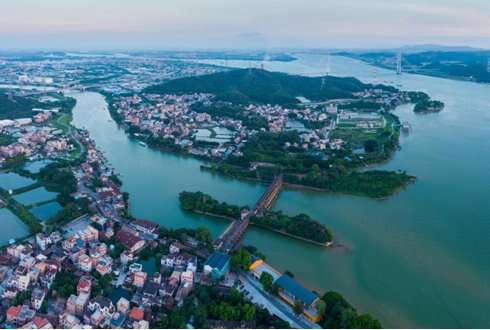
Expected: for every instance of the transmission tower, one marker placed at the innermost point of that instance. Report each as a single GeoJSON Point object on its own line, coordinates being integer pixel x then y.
{"type": "Point", "coordinates": [399, 63]}
{"type": "Point", "coordinates": [327, 71]}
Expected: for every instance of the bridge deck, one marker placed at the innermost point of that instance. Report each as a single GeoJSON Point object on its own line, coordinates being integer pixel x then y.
{"type": "Point", "coordinates": [234, 232]}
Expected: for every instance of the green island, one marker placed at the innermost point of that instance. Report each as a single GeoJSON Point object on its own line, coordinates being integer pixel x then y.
{"type": "Point", "coordinates": [428, 106]}
{"type": "Point", "coordinates": [300, 226]}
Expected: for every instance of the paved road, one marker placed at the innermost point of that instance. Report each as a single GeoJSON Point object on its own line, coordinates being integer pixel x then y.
{"type": "Point", "coordinates": [273, 304]}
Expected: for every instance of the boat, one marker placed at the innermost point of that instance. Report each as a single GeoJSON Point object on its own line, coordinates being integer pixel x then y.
{"type": "Point", "coordinates": [143, 144]}
{"type": "Point", "coordinates": [406, 127]}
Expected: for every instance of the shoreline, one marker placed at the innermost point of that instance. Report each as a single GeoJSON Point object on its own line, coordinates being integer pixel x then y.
{"type": "Point", "coordinates": [300, 187]}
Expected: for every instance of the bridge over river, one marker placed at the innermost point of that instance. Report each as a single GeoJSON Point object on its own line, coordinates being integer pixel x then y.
{"type": "Point", "coordinates": [231, 236]}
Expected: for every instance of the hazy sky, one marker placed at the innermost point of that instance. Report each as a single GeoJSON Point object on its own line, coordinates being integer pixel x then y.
{"type": "Point", "coordinates": [161, 24]}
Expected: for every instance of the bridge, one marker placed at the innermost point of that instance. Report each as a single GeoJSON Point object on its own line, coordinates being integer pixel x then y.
{"type": "Point", "coordinates": [229, 239]}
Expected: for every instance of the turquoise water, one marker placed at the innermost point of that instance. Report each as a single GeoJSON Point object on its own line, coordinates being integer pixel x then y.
{"type": "Point", "coordinates": [46, 211]}
{"type": "Point", "coordinates": [418, 259]}
{"type": "Point", "coordinates": [12, 227]}
{"type": "Point", "coordinates": [35, 196]}
{"type": "Point", "coordinates": [149, 266]}
{"type": "Point", "coordinates": [13, 181]}
{"type": "Point", "coordinates": [36, 166]}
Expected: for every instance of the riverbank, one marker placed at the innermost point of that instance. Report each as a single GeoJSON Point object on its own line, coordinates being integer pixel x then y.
{"type": "Point", "coordinates": [374, 184]}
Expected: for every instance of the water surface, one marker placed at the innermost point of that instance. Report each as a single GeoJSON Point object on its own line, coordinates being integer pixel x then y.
{"type": "Point", "coordinates": [46, 211]}
{"type": "Point", "coordinates": [418, 259]}
{"type": "Point", "coordinates": [12, 226]}
{"type": "Point", "coordinates": [13, 181]}
{"type": "Point", "coordinates": [35, 196]}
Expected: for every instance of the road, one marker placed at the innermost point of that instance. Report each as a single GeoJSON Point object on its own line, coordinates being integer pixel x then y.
{"type": "Point", "coordinates": [273, 304]}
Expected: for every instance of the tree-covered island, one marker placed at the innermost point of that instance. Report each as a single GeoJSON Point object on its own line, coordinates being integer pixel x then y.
{"type": "Point", "coordinates": [300, 226]}
{"type": "Point", "coordinates": [319, 132]}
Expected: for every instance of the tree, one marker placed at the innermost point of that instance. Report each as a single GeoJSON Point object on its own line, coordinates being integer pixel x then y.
{"type": "Point", "coordinates": [21, 297]}
{"type": "Point", "coordinates": [371, 145]}
{"type": "Point", "coordinates": [241, 259]}
{"type": "Point", "coordinates": [366, 321]}
{"type": "Point", "coordinates": [321, 306]}
{"type": "Point", "coordinates": [266, 280]}
{"type": "Point", "coordinates": [65, 284]}
{"type": "Point", "coordinates": [102, 285]}
{"type": "Point", "coordinates": [338, 313]}
{"type": "Point", "coordinates": [204, 235]}
{"type": "Point", "coordinates": [248, 312]}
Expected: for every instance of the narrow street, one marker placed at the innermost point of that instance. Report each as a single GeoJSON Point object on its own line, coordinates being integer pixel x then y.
{"type": "Point", "coordinates": [273, 304]}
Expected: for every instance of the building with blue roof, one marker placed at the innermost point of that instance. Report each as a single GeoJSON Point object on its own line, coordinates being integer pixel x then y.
{"type": "Point", "coordinates": [291, 291]}
{"type": "Point", "coordinates": [217, 265]}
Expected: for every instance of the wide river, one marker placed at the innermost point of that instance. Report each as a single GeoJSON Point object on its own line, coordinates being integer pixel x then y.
{"type": "Point", "coordinates": [418, 259]}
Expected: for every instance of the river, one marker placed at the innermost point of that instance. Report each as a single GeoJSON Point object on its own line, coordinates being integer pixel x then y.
{"type": "Point", "coordinates": [418, 259]}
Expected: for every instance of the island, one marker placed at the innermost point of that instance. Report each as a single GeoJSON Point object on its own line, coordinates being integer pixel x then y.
{"type": "Point", "coordinates": [300, 226]}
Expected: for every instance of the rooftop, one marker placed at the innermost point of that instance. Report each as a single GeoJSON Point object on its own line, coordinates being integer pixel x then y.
{"type": "Point", "coordinates": [297, 290]}
{"type": "Point", "coordinates": [218, 260]}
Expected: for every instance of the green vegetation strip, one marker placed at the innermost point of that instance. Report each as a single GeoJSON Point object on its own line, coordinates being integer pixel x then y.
{"type": "Point", "coordinates": [27, 188]}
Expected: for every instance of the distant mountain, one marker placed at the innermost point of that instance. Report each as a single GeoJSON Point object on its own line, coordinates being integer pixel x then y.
{"type": "Point", "coordinates": [436, 48]}
{"type": "Point", "coordinates": [408, 49]}
{"type": "Point", "coordinates": [260, 86]}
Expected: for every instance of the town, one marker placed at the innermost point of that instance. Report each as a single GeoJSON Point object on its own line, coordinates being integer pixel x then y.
{"type": "Point", "coordinates": [116, 285]}
{"type": "Point", "coordinates": [182, 122]}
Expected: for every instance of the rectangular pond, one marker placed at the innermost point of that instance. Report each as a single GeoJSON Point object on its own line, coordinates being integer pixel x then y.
{"type": "Point", "coordinates": [13, 181]}
{"type": "Point", "coordinates": [12, 226]}
{"type": "Point", "coordinates": [35, 196]}
{"type": "Point", "coordinates": [36, 166]}
{"type": "Point", "coordinates": [46, 211]}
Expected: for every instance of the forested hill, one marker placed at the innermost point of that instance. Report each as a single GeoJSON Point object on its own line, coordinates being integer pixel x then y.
{"type": "Point", "coordinates": [12, 106]}
{"type": "Point", "coordinates": [261, 86]}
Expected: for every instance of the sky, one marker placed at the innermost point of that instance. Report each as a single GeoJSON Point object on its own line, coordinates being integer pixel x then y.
{"type": "Point", "coordinates": [215, 24]}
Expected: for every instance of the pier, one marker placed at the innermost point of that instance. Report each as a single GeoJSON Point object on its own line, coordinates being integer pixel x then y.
{"type": "Point", "coordinates": [232, 235]}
